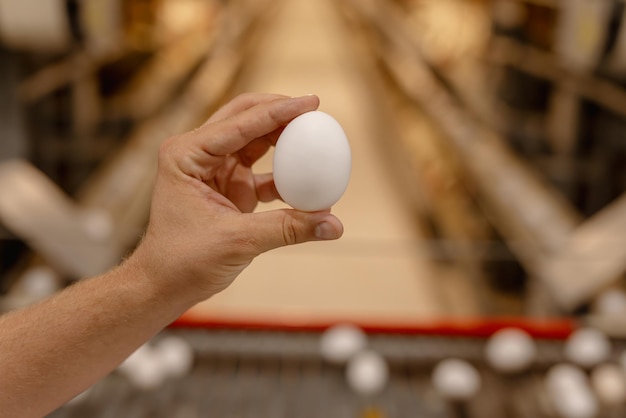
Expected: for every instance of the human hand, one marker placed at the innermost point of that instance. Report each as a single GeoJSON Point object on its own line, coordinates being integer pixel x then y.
{"type": "Point", "coordinates": [202, 231]}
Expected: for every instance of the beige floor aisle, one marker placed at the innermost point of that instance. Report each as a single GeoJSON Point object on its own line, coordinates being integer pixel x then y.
{"type": "Point", "coordinates": [373, 272]}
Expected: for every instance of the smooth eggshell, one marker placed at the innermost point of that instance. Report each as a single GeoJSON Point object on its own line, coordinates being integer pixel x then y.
{"type": "Point", "coordinates": [175, 355]}
{"type": "Point", "coordinates": [312, 162]}
{"type": "Point", "coordinates": [569, 392]}
{"type": "Point", "coordinates": [342, 341]}
{"type": "Point", "coordinates": [587, 347]}
{"type": "Point", "coordinates": [510, 350]}
{"type": "Point", "coordinates": [609, 383]}
{"type": "Point", "coordinates": [367, 373]}
{"type": "Point", "coordinates": [456, 379]}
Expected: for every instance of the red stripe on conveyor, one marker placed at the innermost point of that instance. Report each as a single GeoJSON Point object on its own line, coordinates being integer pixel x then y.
{"type": "Point", "coordinates": [555, 328]}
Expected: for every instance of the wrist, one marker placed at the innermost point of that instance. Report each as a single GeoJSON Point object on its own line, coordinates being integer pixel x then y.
{"type": "Point", "coordinates": [157, 283]}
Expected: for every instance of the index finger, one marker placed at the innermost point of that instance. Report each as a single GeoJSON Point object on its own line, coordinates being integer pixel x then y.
{"type": "Point", "coordinates": [232, 134]}
{"type": "Point", "coordinates": [241, 103]}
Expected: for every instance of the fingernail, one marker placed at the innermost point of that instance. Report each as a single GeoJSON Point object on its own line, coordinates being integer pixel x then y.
{"type": "Point", "coordinates": [325, 230]}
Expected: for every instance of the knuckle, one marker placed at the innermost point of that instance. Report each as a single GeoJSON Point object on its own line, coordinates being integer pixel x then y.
{"type": "Point", "coordinates": [245, 97]}
{"type": "Point", "coordinates": [171, 156]}
{"type": "Point", "coordinates": [166, 149]}
{"type": "Point", "coordinates": [276, 114]}
{"type": "Point", "coordinates": [290, 231]}
{"type": "Point", "coordinates": [241, 130]}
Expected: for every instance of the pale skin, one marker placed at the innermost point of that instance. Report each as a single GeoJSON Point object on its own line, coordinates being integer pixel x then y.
{"type": "Point", "coordinates": [202, 233]}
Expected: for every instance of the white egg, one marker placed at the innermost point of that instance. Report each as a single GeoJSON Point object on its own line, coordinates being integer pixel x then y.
{"type": "Point", "coordinates": [564, 377]}
{"type": "Point", "coordinates": [367, 373]}
{"type": "Point", "coordinates": [138, 356]}
{"type": "Point", "coordinates": [175, 355]}
{"type": "Point", "coordinates": [147, 375]}
{"type": "Point", "coordinates": [610, 302]}
{"type": "Point", "coordinates": [577, 404]}
{"type": "Point", "coordinates": [456, 379]}
{"type": "Point", "coordinates": [143, 368]}
{"type": "Point", "coordinates": [340, 342]}
{"type": "Point", "coordinates": [312, 162]}
{"type": "Point", "coordinates": [609, 383]}
{"type": "Point", "coordinates": [587, 347]}
{"type": "Point", "coordinates": [510, 350]}
{"type": "Point", "coordinates": [39, 282]}
{"type": "Point", "coordinates": [569, 392]}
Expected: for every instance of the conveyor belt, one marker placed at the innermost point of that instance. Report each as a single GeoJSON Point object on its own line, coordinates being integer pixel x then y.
{"type": "Point", "coordinates": [281, 374]}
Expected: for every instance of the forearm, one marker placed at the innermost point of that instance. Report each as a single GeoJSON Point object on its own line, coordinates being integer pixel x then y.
{"type": "Point", "coordinates": [199, 238]}
{"type": "Point", "coordinates": [52, 351]}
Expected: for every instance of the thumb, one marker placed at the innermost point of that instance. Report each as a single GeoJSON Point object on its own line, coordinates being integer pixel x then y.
{"type": "Point", "coordinates": [278, 228]}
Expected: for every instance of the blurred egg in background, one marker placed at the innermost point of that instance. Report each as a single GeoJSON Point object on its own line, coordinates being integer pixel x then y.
{"type": "Point", "coordinates": [481, 271]}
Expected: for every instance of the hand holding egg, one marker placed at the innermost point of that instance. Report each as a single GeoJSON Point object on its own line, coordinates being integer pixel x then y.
{"type": "Point", "coordinates": [203, 231]}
